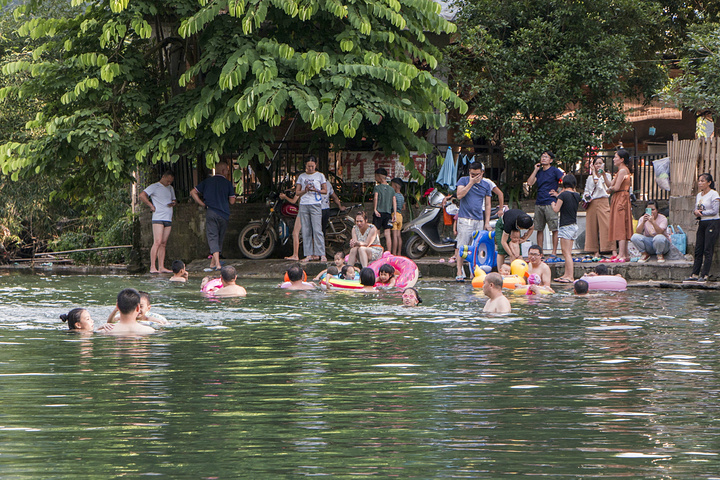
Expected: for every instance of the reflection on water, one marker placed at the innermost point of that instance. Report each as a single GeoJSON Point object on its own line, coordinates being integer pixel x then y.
{"type": "Point", "coordinates": [308, 383]}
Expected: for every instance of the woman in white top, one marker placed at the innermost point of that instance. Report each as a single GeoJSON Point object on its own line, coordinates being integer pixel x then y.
{"type": "Point", "coordinates": [707, 211]}
{"type": "Point", "coordinates": [309, 188]}
{"type": "Point", "coordinates": [597, 214]}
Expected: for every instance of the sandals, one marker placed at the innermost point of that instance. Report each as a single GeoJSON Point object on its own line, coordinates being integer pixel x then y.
{"type": "Point", "coordinates": [554, 259]}
{"type": "Point", "coordinates": [460, 279]}
{"type": "Point", "coordinates": [562, 280]}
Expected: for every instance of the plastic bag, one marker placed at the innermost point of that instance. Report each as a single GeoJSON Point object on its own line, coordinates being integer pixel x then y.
{"type": "Point", "coordinates": [662, 173]}
{"type": "Point", "coordinates": [678, 238]}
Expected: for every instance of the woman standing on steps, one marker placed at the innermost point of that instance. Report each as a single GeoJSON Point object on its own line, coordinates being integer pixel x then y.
{"type": "Point", "coordinates": [620, 228]}
{"type": "Point", "coordinates": [707, 212]}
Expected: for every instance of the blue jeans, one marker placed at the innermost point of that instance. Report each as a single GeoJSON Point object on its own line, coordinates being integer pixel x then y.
{"type": "Point", "coordinates": [659, 244]}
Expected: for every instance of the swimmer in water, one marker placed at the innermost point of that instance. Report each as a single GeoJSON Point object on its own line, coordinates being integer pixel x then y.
{"type": "Point", "coordinates": [367, 279]}
{"type": "Point", "coordinates": [411, 297]}
{"type": "Point", "coordinates": [179, 272]}
{"type": "Point", "coordinates": [386, 275]}
{"type": "Point", "coordinates": [78, 320]}
{"type": "Point", "coordinates": [128, 303]}
{"type": "Point", "coordinates": [229, 288]}
{"type": "Point", "coordinates": [338, 263]}
{"type": "Point", "coordinates": [497, 302]}
{"type": "Point", "coordinates": [295, 275]}
{"type": "Point", "coordinates": [144, 316]}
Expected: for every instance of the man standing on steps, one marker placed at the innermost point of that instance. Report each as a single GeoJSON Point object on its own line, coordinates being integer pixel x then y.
{"type": "Point", "coordinates": [218, 194]}
{"type": "Point", "coordinates": [547, 177]}
{"type": "Point", "coordinates": [474, 213]}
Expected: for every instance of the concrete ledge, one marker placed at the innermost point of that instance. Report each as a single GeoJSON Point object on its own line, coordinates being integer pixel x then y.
{"type": "Point", "coordinates": [432, 267]}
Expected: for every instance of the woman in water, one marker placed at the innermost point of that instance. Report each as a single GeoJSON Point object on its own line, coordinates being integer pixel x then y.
{"type": "Point", "coordinates": [620, 229]}
{"type": "Point", "coordinates": [365, 243]}
{"type": "Point", "coordinates": [707, 212]}
{"type": "Point", "coordinates": [78, 320]}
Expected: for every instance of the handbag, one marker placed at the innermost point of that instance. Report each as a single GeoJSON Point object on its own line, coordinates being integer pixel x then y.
{"type": "Point", "coordinates": [585, 201]}
{"type": "Point", "coordinates": [678, 238]}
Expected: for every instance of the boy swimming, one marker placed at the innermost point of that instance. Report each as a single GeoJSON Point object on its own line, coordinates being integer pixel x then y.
{"type": "Point", "coordinates": [179, 272]}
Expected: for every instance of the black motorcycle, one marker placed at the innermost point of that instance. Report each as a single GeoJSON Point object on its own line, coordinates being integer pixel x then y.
{"type": "Point", "coordinates": [260, 238]}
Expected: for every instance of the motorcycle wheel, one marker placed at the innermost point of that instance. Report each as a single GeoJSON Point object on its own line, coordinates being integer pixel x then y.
{"type": "Point", "coordinates": [415, 247]}
{"type": "Point", "coordinates": [254, 245]}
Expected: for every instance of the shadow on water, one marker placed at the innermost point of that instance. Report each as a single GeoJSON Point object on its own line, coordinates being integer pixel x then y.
{"type": "Point", "coordinates": [311, 383]}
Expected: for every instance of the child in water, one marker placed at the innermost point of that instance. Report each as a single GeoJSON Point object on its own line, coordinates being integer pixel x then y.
{"type": "Point", "coordinates": [338, 263]}
{"type": "Point", "coordinates": [78, 320]}
{"type": "Point", "coordinates": [386, 276]}
{"type": "Point", "coordinates": [179, 272]}
{"type": "Point", "coordinates": [492, 287]}
{"type": "Point", "coordinates": [411, 297]}
{"type": "Point", "coordinates": [367, 279]}
{"type": "Point", "coordinates": [348, 272]}
{"type": "Point", "coordinates": [144, 314]}
{"type": "Point", "coordinates": [505, 269]}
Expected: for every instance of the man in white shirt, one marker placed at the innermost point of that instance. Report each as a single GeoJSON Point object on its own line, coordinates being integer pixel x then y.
{"type": "Point", "coordinates": [160, 197]}
{"type": "Point", "coordinates": [651, 234]}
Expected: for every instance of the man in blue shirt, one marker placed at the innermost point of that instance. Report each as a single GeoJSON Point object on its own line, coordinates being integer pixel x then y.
{"type": "Point", "coordinates": [218, 194]}
{"type": "Point", "coordinates": [547, 177]}
{"type": "Point", "coordinates": [474, 213]}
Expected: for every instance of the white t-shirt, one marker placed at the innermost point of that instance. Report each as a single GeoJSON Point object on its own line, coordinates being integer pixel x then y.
{"type": "Point", "coordinates": [325, 203]}
{"type": "Point", "coordinates": [707, 204]}
{"type": "Point", "coordinates": [160, 196]}
{"type": "Point", "coordinates": [316, 180]}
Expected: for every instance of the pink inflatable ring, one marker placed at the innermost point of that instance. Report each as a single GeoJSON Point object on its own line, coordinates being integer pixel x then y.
{"type": "Point", "coordinates": [605, 282]}
{"type": "Point", "coordinates": [406, 272]}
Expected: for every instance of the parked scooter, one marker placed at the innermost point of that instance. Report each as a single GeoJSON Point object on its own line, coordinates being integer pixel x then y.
{"type": "Point", "coordinates": [260, 238]}
{"type": "Point", "coordinates": [425, 230]}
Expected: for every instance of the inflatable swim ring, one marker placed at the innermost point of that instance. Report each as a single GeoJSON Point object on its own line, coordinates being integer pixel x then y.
{"type": "Point", "coordinates": [406, 272]}
{"type": "Point", "coordinates": [332, 283]}
{"type": "Point", "coordinates": [481, 251]}
{"type": "Point", "coordinates": [509, 281]}
{"type": "Point", "coordinates": [212, 285]}
{"type": "Point", "coordinates": [606, 282]}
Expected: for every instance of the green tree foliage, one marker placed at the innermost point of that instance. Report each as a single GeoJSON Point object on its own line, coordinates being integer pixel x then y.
{"type": "Point", "coordinates": [548, 74]}
{"type": "Point", "coordinates": [151, 80]}
{"type": "Point", "coordinates": [698, 88]}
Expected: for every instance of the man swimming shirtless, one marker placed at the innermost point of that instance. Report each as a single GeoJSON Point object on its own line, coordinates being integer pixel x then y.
{"type": "Point", "coordinates": [536, 265]}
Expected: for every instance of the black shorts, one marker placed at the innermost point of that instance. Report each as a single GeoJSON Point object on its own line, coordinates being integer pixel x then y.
{"type": "Point", "coordinates": [383, 221]}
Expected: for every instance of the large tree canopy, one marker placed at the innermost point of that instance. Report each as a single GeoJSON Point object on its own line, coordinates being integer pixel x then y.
{"type": "Point", "coordinates": [553, 75]}
{"type": "Point", "coordinates": [698, 87]}
{"type": "Point", "coordinates": [151, 80]}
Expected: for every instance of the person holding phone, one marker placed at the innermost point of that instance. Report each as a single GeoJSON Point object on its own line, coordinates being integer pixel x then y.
{"type": "Point", "coordinates": [597, 211]}
{"type": "Point", "coordinates": [547, 177]}
{"type": "Point", "coordinates": [651, 236]}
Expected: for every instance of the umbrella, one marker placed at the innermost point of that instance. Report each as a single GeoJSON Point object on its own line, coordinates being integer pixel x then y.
{"type": "Point", "coordinates": [448, 171]}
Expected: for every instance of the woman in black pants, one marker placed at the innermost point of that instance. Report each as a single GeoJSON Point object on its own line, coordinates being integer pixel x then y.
{"type": "Point", "coordinates": [707, 211]}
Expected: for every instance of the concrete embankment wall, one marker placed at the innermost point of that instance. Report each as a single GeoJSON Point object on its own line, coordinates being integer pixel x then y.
{"type": "Point", "coordinates": [187, 239]}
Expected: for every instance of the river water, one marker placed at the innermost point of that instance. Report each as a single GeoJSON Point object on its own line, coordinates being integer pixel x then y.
{"type": "Point", "coordinates": [291, 384]}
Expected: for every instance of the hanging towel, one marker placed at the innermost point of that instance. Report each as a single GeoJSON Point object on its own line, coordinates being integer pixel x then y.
{"type": "Point", "coordinates": [448, 171]}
